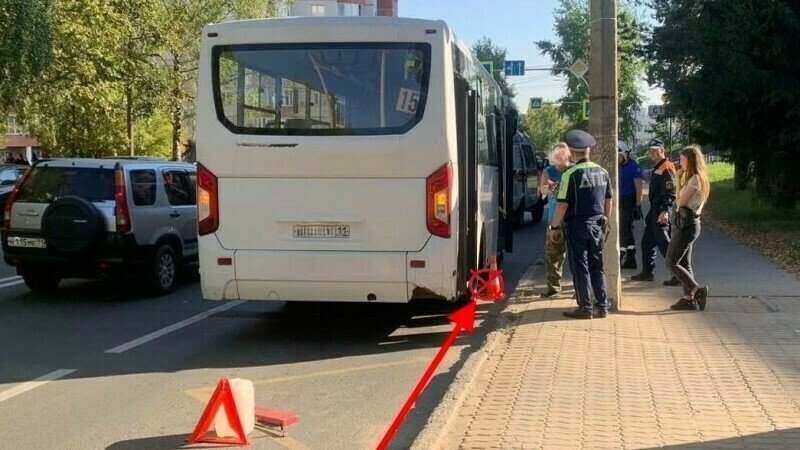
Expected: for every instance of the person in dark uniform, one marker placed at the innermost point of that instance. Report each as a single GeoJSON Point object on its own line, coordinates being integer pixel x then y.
{"type": "Point", "coordinates": [656, 223]}
{"type": "Point", "coordinates": [584, 204]}
{"type": "Point", "coordinates": [630, 207]}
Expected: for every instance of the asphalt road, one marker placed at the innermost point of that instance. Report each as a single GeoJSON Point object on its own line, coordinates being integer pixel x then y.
{"type": "Point", "coordinates": [97, 365]}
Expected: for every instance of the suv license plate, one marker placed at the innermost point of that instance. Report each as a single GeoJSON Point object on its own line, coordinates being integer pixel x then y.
{"type": "Point", "coordinates": [15, 241]}
{"type": "Point", "coordinates": [321, 231]}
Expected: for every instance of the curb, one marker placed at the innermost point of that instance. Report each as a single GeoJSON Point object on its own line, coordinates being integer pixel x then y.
{"type": "Point", "coordinates": [441, 420]}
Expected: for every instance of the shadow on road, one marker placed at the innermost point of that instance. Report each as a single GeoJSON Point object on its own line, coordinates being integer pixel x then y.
{"type": "Point", "coordinates": [75, 325]}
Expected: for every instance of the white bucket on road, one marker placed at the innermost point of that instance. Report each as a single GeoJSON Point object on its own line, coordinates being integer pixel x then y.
{"type": "Point", "coordinates": [244, 397]}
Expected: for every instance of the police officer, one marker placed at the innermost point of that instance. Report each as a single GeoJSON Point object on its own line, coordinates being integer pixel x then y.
{"type": "Point", "coordinates": [630, 206]}
{"type": "Point", "coordinates": [656, 223]}
{"type": "Point", "coordinates": [584, 204]}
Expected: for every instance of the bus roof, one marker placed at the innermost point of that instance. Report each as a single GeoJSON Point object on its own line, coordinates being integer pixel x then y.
{"type": "Point", "coordinates": [313, 22]}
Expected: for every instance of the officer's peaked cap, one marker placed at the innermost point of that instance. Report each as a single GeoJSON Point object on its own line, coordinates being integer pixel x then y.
{"type": "Point", "coordinates": [655, 143]}
{"type": "Point", "coordinates": [579, 140]}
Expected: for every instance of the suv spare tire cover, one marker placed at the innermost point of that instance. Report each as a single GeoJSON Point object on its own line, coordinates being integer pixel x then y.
{"type": "Point", "coordinates": [71, 225]}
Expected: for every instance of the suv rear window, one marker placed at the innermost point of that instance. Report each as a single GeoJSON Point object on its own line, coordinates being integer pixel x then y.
{"type": "Point", "coordinates": [48, 184]}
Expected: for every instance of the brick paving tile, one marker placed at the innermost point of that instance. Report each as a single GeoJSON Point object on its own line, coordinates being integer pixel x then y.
{"type": "Point", "coordinates": [725, 378]}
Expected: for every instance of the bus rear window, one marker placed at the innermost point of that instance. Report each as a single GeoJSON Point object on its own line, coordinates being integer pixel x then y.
{"type": "Point", "coordinates": [321, 89]}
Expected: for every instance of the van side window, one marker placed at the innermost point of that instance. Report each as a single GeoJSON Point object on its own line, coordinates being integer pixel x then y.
{"type": "Point", "coordinates": [143, 187]}
{"type": "Point", "coordinates": [179, 187]}
{"type": "Point", "coordinates": [530, 161]}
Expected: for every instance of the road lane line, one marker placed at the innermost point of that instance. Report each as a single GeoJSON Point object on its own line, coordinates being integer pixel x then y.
{"type": "Point", "coordinates": [176, 326]}
{"type": "Point", "coordinates": [27, 386]}
{"type": "Point", "coordinates": [204, 393]}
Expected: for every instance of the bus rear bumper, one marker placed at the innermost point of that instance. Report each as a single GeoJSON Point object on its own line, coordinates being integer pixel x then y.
{"type": "Point", "coordinates": [381, 277]}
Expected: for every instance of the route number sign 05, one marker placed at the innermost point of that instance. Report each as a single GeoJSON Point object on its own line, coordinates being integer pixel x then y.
{"type": "Point", "coordinates": [407, 101]}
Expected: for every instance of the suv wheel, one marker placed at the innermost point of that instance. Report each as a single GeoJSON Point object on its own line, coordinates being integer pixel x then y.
{"type": "Point", "coordinates": [41, 281]}
{"type": "Point", "coordinates": [164, 271]}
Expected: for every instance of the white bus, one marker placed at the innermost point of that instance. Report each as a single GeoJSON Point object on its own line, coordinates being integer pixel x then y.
{"type": "Point", "coordinates": [346, 159]}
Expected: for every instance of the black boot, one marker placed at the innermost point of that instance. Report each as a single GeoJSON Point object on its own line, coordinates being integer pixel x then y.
{"type": "Point", "coordinates": [630, 260]}
{"type": "Point", "coordinates": [643, 276]}
{"type": "Point", "coordinates": [674, 281]}
{"type": "Point", "coordinates": [579, 313]}
{"type": "Point", "coordinates": [684, 304]}
{"type": "Point", "coordinates": [701, 297]}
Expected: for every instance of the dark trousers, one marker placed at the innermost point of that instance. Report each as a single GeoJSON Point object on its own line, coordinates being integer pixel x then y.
{"type": "Point", "coordinates": [585, 250]}
{"type": "Point", "coordinates": [679, 255]}
{"type": "Point", "coordinates": [627, 207]}
{"type": "Point", "coordinates": [655, 236]}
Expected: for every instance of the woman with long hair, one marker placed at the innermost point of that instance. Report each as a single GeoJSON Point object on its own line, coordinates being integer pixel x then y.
{"type": "Point", "coordinates": [693, 190]}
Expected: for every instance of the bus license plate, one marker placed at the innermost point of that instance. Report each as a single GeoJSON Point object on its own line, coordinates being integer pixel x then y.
{"type": "Point", "coordinates": [321, 231]}
{"type": "Point", "coordinates": [14, 241]}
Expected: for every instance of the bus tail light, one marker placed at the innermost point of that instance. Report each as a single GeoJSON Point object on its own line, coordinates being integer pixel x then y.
{"type": "Point", "coordinates": [438, 188]}
{"type": "Point", "coordinates": [207, 201]}
{"type": "Point", "coordinates": [123, 218]}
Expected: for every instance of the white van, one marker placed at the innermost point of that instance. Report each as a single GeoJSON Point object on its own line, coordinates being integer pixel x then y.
{"type": "Point", "coordinates": [346, 159]}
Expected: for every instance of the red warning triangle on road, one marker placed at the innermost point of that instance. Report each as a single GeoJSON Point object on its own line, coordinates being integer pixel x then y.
{"type": "Point", "coordinates": [222, 398]}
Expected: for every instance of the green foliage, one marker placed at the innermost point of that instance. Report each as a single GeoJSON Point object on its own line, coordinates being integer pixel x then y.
{"type": "Point", "coordinates": [142, 81]}
{"type": "Point", "coordinates": [746, 209]}
{"type": "Point", "coordinates": [25, 45]}
{"type": "Point", "coordinates": [71, 107]}
{"type": "Point", "coordinates": [545, 126]}
{"type": "Point", "coordinates": [487, 51]}
{"type": "Point", "coordinates": [182, 22]}
{"type": "Point", "coordinates": [154, 135]}
{"type": "Point", "coordinates": [120, 70]}
{"type": "Point", "coordinates": [731, 72]}
{"type": "Point", "coordinates": [573, 29]}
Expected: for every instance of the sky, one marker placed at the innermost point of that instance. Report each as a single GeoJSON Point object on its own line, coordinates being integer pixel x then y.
{"type": "Point", "coordinates": [514, 24]}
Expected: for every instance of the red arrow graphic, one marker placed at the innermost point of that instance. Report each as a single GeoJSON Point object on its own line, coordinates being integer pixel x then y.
{"type": "Point", "coordinates": [464, 318]}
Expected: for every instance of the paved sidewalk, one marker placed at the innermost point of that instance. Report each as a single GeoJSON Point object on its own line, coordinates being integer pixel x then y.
{"type": "Point", "coordinates": [647, 377]}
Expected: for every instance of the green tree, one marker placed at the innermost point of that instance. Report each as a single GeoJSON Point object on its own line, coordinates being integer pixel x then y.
{"type": "Point", "coordinates": [141, 80]}
{"type": "Point", "coordinates": [730, 68]}
{"type": "Point", "coordinates": [25, 45]}
{"type": "Point", "coordinates": [71, 105]}
{"type": "Point", "coordinates": [183, 21]}
{"type": "Point", "coordinates": [545, 126]}
{"type": "Point", "coordinates": [573, 29]}
{"type": "Point", "coordinates": [485, 50]}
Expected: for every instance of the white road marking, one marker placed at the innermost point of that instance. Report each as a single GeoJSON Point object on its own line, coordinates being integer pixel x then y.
{"type": "Point", "coordinates": [176, 326]}
{"type": "Point", "coordinates": [10, 281]}
{"type": "Point", "coordinates": [27, 386]}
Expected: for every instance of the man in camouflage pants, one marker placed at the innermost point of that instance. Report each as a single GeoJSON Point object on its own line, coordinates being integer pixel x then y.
{"type": "Point", "coordinates": [555, 251]}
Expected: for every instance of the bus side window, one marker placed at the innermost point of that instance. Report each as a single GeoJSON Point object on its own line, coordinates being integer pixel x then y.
{"type": "Point", "coordinates": [491, 139]}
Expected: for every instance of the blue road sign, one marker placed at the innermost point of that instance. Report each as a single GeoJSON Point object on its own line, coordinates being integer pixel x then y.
{"type": "Point", "coordinates": [536, 102]}
{"type": "Point", "coordinates": [515, 68]}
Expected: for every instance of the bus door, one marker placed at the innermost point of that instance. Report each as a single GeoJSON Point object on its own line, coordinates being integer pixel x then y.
{"type": "Point", "coordinates": [506, 168]}
{"type": "Point", "coordinates": [508, 176]}
{"type": "Point", "coordinates": [466, 127]}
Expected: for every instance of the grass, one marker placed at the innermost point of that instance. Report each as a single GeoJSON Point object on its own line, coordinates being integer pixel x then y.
{"type": "Point", "coordinates": [750, 218]}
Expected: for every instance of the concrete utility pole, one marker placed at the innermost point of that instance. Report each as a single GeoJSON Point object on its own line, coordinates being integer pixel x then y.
{"type": "Point", "coordinates": [603, 121]}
